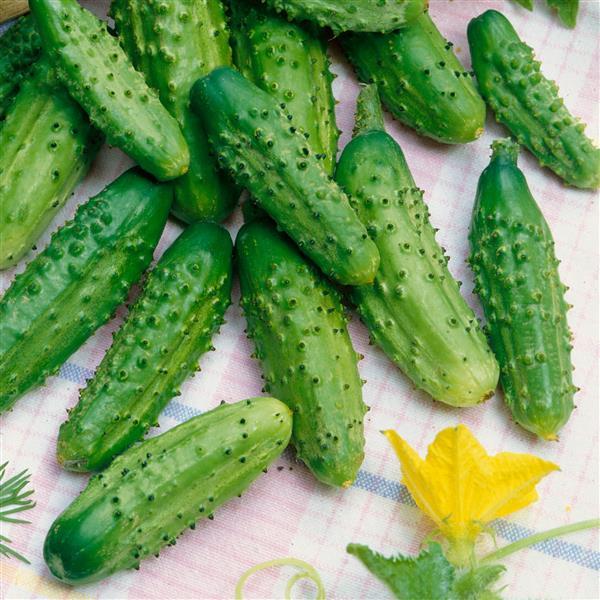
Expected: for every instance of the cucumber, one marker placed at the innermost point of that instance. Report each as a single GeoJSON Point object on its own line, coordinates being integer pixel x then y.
{"type": "Point", "coordinates": [71, 288]}
{"type": "Point", "coordinates": [420, 80]}
{"type": "Point", "coordinates": [20, 47]}
{"type": "Point", "coordinates": [517, 279]}
{"type": "Point", "coordinates": [266, 154]}
{"type": "Point", "coordinates": [414, 310]}
{"type": "Point", "coordinates": [528, 104]}
{"type": "Point", "coordinates": [157, 348]}
{"type": "Point", "coordinates": [299, 329]}
{"type": "Point", "coordinates": [97, 73]}
{"type": "Point", "coordinates": [173, 44]}
{"type": "Point", "coordinates": [290, 62]}
{"type": "Point", "coordinates": [47, 146]}
{"type": "Point", "coordinates": [357, 15]}
{"type": "Point", "coordinates": [151, 494]}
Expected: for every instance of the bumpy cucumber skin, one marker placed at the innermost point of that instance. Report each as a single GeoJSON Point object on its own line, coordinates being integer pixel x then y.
{"type": "Point", "coordinates": [517, 279]}
{"type": "Point", "coordinates": [173, 44]}
{"type": "Point", "coordinates": [20, 47]}
{"type": "Point", "coordinates": [414, 310]}
{"type": "Point", "coordinates": [97, 73]}
{"type": "Point", "coordinates": [290, 62]}
{"type": "Point", "coordinates": [567, 11]}
{"type": "Point", "coordinates": [75, 284]}
{"type": "Point", "coordinates": [420, 80]}
{"type": "Point", "coordinates": [357, 15]}
{"type": "Point", "coordinates": [47, 146]}
{"type": "Point", "coordinates": [299, 329]}
{"type": "Point", "coordinates": [157, 348]}
{"type": "Point", "coordinates": [266, 154]}
{"type": "Point", "coordinates": [528, 104]}
{"type": "Point", "coordinates": [155, 491]}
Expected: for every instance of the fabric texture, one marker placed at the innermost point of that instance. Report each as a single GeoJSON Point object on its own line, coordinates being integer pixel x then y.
{"type": "Point", "coordinates": [287, 512]}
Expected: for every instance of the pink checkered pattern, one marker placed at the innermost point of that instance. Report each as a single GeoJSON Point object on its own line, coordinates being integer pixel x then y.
{"type": "Point", "coordinates": [286, 512]}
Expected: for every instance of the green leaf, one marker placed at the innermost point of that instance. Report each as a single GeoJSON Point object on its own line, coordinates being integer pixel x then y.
{"type": "Point", "coordinates": [567, 11]}
{"type": "Point", "coordinates": [428, 575]}
{"type": "Point", "coordinates": [475, 584]}
{"type": "Point", "coordinates": [528, 4]}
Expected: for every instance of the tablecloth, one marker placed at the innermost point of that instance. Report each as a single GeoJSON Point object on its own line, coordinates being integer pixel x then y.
{"type": "Point", "coordinates": [286, 512]}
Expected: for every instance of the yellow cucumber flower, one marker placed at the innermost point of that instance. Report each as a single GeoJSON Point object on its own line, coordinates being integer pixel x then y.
{"type": "Point", "coordinates": [462, 488]}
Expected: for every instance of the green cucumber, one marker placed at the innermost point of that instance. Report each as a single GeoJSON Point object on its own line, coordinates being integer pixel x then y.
{"type": "Point", "coordinates": [97, 73]}
{"type": "Point", "coordinates": [420, 80]}
{"type": "Point", "coordinates": [567, 11]}
{"type": "Point", "coordinates": [265, 153]}
{"type": "Point", "coordinates": [47, 146]}
{"type": "Point", "coordinates": [173, 44]}
{"type": "Point", "coordinates": [528, 4]}
{"type": "Point", "coordinates": [528, 104]}
{"type": "Point", "coordinates": [414, 310]}
{"type": "Point", "coordinates": [290, 62]}
{"type": "Point", "coordinates": [71, 288]}
{"type": "Point", "coordinates": [20, 47]}
{"type": "Point", "coordinates": [517, 279]}
{"type": "Point", "coordinates": [356, 15]}
{"type": "Point", "coordinates": [157, 348]}
{"type": "Point", "coordinates": [299, 329]}
{"type": "Point", "coordinates": [155, 491]}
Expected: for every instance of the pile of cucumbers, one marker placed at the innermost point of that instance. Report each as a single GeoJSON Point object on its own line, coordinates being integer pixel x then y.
{"type": "Point", "coordinates": [211, 98]}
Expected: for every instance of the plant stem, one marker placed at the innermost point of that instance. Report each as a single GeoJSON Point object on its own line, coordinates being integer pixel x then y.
{"type": "Point", "coordinates": [536, 538]}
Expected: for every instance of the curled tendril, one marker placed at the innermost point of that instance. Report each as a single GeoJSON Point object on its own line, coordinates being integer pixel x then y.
{"type": "Point", "coordinates": [306, 571]}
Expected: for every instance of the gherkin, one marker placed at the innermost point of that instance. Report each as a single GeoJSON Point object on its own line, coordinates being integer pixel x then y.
{"type": "Point", "coordinates": [264, 152]}
{"type": "Point", "coordinates": [517, 279]}
{"type": "Point", "coordinates": [299, 329]}
{"type": "Point", "coordinates": [170, 325]}
{"type": "Point", "coordinates": [156, 490]}
{"type": "Point", "coordinates": [414, 310]}
{"type": "Point", "coordinates": [73, 286]}
{"type": "Point", "coordinates": [528, 104]}
{"type": "Point", "coordinates": [96, 72]}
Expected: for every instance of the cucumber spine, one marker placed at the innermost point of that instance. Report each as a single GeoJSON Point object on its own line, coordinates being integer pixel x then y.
{"type": "Point", "coordinates": [168, 328]}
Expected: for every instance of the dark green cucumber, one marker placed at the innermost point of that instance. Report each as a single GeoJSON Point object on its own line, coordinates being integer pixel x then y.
{"type": "Point", "coordinates": [528, 104]}
{"type": "Point", "coordinates": [567, 11]}
{"type": "Point", "coordinates": [157, 348]}
{"type": "Point", "coordinates": [356, 15]}
{"type": "Point", "coordinates": [71, 288]}
{"type": "Point", "coordinates": [97, 73]}
{"type": "Point", "coordinates": [299, 329]}
{"type": "Point", "coordinates": [517, 279]}
{"type": "Point", "coordinates": [266, 154]}
{"type": "Point", "coordinates": [20, 47]}
{"type": "Point", "coordinates": [420, 80]}
{"type": "Point", "coordinates": [414, 310]}
{"type": "Point", "coordinates": [173, 44]}
{"type": "Point", "coordinates": [47, 146]}
{"type": "Point", "coordinates": [290, 62]}
{"type": "Point", "coordinates": [155, 491]}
